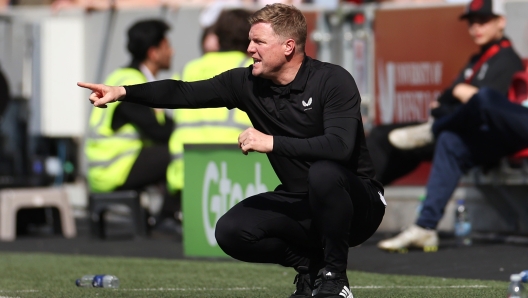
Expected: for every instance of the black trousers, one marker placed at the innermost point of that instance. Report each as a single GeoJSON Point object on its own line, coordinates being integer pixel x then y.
{"type": "Point", "coordinates": [311, 229]}
{"type": "Point", "coordinates": [150, 168]}
{"type": "Point", "coordinates": [390, 162]}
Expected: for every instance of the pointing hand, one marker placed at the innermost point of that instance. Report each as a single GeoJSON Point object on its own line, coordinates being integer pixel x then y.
{"type": "Point", "coordinates": [103, 94]}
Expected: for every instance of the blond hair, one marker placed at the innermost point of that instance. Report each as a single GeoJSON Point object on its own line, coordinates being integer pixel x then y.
{"type": "Point", "coordinates": [285, 20]}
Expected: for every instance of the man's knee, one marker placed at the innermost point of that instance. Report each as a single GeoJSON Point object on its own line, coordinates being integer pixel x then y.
{"type": "Point", "coordinates": [234, 237]}
{"type": "Point", "coordinates": [489, 98]}
{"type": "Point", "coordinates": [225, 232]}
{"type": "Point", "coordinates": [452, 144]}
{"type": "Point", "coordinates": [448, 139]}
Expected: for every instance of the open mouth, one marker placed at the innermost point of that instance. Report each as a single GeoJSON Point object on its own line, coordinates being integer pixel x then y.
{"type": "Point", "coordinates": [256, 61]}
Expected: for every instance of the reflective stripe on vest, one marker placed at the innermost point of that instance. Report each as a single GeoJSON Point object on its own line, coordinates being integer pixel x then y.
{"type": "Point", "coordinates": [229, 122]}
{"type": "Point", "coordinates": [107, 163]}
{"type": "Point", "coordinates": [93, 131]}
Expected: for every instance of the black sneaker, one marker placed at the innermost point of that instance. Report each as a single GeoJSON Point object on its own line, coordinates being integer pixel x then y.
{"type": "Point", "coordinates": [302, 283]}
{"type": "Point", "coordinates": [331, 285]}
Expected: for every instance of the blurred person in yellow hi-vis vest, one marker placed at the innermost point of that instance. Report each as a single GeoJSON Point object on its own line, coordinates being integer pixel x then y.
{"type": "Point", "coordinates": [127, 140]}
{"type": "Point", "coordinates": [213, 125]}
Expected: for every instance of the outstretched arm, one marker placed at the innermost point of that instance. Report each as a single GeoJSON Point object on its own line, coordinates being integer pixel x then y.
{"type": "Point", "coordinates": [224, 90]}
{"type": "Point", "coordinates": [103, 94]}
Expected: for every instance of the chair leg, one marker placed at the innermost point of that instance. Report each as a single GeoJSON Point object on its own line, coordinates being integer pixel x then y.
{"type": "Point", "coordinates": [67, 222]}
{"type": "Point", "coordinates": [95, 223]}
{"type": "Point", "coordinates": [136, 217]}
{"type": "Point", "coordinates": [7, 220]}
{"type": "Point", "coordinates": [102, 225]}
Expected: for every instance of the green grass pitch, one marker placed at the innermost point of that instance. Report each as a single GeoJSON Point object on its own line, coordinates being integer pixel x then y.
{"type": "Point", "coordinates": [49, 275]}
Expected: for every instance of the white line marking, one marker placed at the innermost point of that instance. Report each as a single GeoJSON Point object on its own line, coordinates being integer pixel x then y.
{"type": "Point", "coordinates": [194, 289]}
{"type": "Point", "coordinates": [421, 287]}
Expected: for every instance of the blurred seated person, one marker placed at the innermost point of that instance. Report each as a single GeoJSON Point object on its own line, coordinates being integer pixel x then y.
{"type": "Point", "coordinates": [212, 125]}
{"type": "Point", "coordinates": [126, 140]}
{"type": "Point", "coordinates": [398, 149]}
{"type": "Point", "coordinates": [480, 125]}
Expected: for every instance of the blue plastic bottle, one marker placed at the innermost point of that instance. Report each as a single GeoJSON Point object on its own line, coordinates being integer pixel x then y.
{"type": "Point", "coordinates": [516, 288]}
{"type": "Point", "coordinates": [524, 276]}
{"type": "Point", "coordinates": [106, 281]}
{"type": "Point", "coordinates": [462, 225]}
{"type": "Point", "coordinates": [86, 281]}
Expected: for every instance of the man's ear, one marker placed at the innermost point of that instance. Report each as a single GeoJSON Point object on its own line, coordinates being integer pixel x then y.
{"type": "Point", "coordinates": [152, 53]}
{"type": "Point", "coordinates": [289, 47]}
{"type": "Point", "coordinates": [502, 22]}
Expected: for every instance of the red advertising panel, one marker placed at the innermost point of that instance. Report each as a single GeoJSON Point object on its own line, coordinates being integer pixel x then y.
{"type": "Point", "coordinates": [419, 51]}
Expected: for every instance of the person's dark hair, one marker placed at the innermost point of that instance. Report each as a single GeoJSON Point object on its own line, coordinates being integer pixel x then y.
{"type": "Point", "coordinates": [143, 35]}
{"type": "Point", "coordinates": [232, 29]}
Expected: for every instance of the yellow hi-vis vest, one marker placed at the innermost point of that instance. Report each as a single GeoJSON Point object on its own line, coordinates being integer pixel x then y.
{"type": "Point", "coordinates": [111, 154]}
{"type": "Point", "coordinates": [205, 126]}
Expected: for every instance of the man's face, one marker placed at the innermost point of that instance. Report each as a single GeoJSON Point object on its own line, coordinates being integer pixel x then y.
{"type": "Point", "coordinates": [162, 54]}
{"type": "Point", "coordinates": [267, 50]}
{"type": "Point", "coordinates": [484, 29]}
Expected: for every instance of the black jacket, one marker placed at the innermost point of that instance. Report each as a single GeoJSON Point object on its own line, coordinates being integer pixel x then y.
{"type": "Point", "coordinates": [496, 73]}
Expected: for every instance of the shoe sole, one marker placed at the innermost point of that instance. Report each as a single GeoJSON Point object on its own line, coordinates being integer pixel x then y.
{"type": "Point", "coordinates": [404, 250]}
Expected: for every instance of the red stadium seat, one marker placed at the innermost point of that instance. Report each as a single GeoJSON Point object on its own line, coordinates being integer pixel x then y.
{"type": "Point", "coordinates": [519, 88]}
{"type": "Point", "coordinates": [521, 154]}
{"type": "Point", "coordinates": [517, 94]}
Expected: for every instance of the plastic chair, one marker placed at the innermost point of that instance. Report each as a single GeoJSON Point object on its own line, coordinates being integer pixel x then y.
{"type": "Point", "coordinates": [99, 203]}
{"type": "Point", "coordinates": [12, 200]}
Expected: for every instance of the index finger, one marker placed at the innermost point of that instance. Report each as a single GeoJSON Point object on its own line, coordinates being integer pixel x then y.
{"type": "Point", "coordinates": [87, 85]}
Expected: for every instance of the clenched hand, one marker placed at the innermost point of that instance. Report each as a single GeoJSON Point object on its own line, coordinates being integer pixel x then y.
{"type": "Point", "coordinates": [253, 140]}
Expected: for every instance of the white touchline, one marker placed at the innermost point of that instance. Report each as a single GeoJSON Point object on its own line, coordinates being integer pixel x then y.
{"type": "Point", "coordinates": [420, 287]}
{"type": "Point", "coordinates": [195, 289]}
